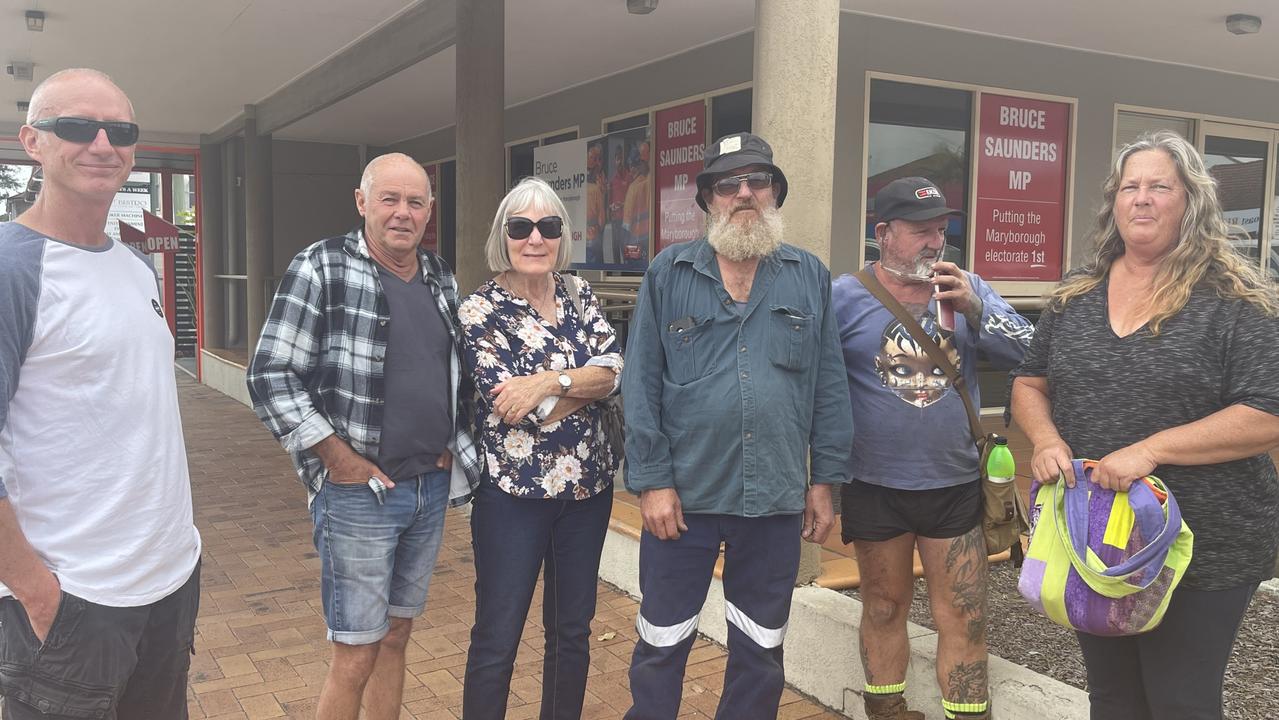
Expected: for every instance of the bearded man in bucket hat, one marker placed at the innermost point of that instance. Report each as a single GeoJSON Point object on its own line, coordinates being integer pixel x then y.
{"type": "Point", "coordinates": [925, 493]}
{"type": "Point", "coordinates": [737, 423]}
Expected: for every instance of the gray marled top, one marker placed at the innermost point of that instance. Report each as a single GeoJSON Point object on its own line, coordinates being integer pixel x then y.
{"type": "Point", "coordinates": [1108, 392]}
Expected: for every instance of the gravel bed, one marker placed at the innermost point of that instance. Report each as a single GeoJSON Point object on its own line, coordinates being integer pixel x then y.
{"type": "Point", "coordinates": [1019, 634]}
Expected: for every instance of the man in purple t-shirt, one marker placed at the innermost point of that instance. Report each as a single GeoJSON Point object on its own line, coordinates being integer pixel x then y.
{"type": "Point", "coordinates": [926, 493]}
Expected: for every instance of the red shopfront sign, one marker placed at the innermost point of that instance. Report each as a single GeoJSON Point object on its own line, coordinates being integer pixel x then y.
{"type": "Point", "coordinates": [680, 135]}
{"type": "Point", "coordinates": [159, 235]}
{"type": "Point", "coordinates": [431, 236]}
{"type": "Point", "coordinates": [1020, 222]}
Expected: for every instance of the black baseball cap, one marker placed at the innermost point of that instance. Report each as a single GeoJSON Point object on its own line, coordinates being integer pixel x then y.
{"type": "Point", "coordinates": [911, 198]}
{"type": "Point", "coordinates": [736, 151]}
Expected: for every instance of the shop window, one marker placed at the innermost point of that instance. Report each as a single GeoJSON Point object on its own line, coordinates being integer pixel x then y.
{"type": "Point", "coordinates": [562, 137]}
{"type": "Point", "coordinates": [920, 130]}
{"type": "Point", "coordinates": [730, 113]}
{"type": "Point", "coordinates": [1131, 125]}
{"type": "Point", "coordinates": [634, 121]}
{"type": "Point", "coordinates": [1239, 165]}
{"type": "Point", "coordinates": [520, 161]}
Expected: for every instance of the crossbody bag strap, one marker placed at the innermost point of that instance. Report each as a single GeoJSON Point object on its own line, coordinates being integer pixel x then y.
{"type": "Point", "coordinates": [575, 293]}
{"type": "Point", "coordinates": [925, 341]}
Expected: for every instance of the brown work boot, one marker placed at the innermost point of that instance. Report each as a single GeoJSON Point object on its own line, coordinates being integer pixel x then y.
{"type": "Point", "coordinates": [889, 707]}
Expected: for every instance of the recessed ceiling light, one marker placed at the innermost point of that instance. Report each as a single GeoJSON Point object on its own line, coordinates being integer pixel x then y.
{"type": "Point", "coordinates": [1243, 24]}
{"type": "Point", "coordinates": [35, 21]}
{"type": "Point", "coordinates": [23, 106]}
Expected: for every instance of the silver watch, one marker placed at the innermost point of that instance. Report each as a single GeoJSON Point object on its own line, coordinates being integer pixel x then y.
{"type": "Point", "coordinates": [566, 382]}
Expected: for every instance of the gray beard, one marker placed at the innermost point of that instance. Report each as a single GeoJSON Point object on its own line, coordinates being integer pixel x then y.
{"type": "Point", "coordinates": [744, 241]}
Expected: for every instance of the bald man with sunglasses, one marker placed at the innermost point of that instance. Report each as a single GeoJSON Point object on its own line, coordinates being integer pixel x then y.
{"type": "Point", "coordinates": [99, 557]}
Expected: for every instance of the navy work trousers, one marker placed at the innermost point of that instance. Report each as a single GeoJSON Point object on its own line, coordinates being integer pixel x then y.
{"type": "Point", "coordinates": [761, 560]}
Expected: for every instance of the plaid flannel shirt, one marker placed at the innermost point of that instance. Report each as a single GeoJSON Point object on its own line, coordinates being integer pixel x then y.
{"type": "Point", "coordinates": [318, 366]}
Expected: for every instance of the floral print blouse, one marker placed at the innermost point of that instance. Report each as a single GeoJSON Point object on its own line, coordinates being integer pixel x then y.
{"type": "Point", "coordinates": [505, 337]}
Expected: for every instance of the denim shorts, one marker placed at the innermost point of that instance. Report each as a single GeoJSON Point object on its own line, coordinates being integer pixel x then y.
{"type": "Point", "coordinates": [377, 559]}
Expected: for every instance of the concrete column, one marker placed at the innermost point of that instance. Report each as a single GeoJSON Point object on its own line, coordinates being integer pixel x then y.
{"type": "Point", "coordinates": [481, 157]}
{"type": "Point", "coordinates": [259, 217]}
{"type": "Point", "coordinates": [211, 238]}
{"type": "Point", "coordinates": [796, 66]}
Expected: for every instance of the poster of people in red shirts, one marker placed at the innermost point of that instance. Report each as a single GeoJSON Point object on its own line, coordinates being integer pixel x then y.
{"type": "Point", "coordinates": [431, 237]}
{"type": "Point", "coordinates": [1019, 224]}
{"type": "Point", "coordinates": [680, 136]}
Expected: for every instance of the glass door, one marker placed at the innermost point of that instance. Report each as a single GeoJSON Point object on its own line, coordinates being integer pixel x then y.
{"type": "Point", "coordinates": [1242, 159]}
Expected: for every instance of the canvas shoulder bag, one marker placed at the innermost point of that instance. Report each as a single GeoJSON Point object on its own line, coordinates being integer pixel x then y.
{"type": "Point", "coordinates": [1004, 511]}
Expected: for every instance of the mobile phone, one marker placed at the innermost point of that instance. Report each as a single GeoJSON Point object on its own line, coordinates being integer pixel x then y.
{"type": "Point", "coordinates": [945, 313]}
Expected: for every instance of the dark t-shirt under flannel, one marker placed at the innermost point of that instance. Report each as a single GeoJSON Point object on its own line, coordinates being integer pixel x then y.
{"type": "Point", "coordinates": [416, 424]}
{"type": "Point", "coordinates": [1109, 392]}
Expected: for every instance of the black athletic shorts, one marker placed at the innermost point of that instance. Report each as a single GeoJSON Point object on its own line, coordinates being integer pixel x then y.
{"type": "Point", "coordinates": [876, 513]}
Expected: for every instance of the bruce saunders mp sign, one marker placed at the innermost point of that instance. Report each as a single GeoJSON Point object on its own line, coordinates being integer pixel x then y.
{"type": "Point", "coordinates": [1020, 221]}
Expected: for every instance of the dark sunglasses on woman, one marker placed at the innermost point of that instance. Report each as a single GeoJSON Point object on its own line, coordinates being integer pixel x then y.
{"type": "Point", "coordinates": [83, 130]}
{"type": "Point", "coordinates": [519, 228]}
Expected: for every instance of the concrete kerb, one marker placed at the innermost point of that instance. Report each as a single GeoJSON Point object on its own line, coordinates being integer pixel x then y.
{"type": "Point", "coordinates": [822, 659]}
{"type": "Point", "coordinates": [1271, 586]}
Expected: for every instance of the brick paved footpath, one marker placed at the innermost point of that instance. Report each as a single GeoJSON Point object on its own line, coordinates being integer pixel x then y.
{"type": "Point", "coordinates": [261, 651]}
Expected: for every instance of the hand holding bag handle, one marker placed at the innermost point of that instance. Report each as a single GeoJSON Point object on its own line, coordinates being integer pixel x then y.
{"type": "Point", "coordinates": [1070, 505]}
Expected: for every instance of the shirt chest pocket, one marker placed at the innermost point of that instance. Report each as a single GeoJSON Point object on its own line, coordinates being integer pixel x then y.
{"type": "Point", "coordinates": [792, 337]}
{"type": "Point", "coordinates": [687, 355]}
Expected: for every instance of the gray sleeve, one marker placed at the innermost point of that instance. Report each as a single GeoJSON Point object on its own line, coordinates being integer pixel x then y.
{"type": "Point", "coordinates": [21, 260]}
{"type": "Point", "coordinates": [1251, 365]}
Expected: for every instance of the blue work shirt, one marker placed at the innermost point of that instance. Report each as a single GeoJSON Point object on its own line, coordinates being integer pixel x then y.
{"type": "Point", "coordinates": [730, 407]}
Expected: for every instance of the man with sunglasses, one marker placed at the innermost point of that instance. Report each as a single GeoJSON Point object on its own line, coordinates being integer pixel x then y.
{"type": "Point", "coordinates": [358, 375]}
{"type": "Point", "coordinates": [737, 425]}
{"type": "Point", "coordinates": [926, 493]}
{"type": "Point", "coordinates": [99, 557]}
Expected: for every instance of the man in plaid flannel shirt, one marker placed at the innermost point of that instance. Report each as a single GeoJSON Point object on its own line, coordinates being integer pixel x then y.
{"type": "Point", "coordinates": [358, 375]}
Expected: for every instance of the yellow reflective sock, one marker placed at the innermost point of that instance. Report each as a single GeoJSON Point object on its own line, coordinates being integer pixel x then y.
{"type": "Point", "coordinates": [954, 709]}
{"type": "Point", "coordinates": [886, 689]}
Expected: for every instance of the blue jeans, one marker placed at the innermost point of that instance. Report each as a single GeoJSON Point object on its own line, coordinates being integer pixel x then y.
{"type": "Point", "coordinates": [513, 538]}
{"type": "Point", "coordinates": [377, 559]}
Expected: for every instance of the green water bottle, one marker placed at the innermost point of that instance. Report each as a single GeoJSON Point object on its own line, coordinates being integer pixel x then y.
{"type": "Point", "coordinates": [1000, 466]}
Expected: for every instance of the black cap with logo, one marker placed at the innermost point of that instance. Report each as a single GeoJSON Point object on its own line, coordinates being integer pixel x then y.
{"type": "Point", "coordinates": [737, 151]}
{"type": "Point", "coordinates": [911, 198]}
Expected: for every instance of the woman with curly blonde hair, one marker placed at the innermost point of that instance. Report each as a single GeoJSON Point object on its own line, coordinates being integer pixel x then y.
{"type": "Point", "coordinates": [1158, 357]}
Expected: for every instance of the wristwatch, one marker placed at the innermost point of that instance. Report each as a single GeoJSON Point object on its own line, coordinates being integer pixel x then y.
{"type": "Point", "coordinates": [566, 382]}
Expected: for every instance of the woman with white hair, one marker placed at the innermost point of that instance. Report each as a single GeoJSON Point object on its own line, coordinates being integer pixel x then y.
{"type": "Point", "coordinates": [1158, 357]}
{"type": "Point", "coordinates": [542, 354]}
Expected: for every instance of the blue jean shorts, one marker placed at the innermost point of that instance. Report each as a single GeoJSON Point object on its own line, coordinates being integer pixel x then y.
{"type": "Point", "coordinates": [377, 559]}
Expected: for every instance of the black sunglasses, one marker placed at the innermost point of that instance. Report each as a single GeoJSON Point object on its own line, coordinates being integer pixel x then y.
{"type": "Point", "coordinates": [519, 228]}
{"type": "Point", "coordinates": [83, 130]}
{"type": "Point", "coordinates": [725, 187]}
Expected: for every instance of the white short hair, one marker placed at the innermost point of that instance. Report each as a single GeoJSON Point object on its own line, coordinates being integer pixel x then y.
{"type": "Point", "coordinates": [41, 105]}
{"type": "Point", "coordinates": [529, 192]}
{"type": "Point", "coordinates": [377, 163]}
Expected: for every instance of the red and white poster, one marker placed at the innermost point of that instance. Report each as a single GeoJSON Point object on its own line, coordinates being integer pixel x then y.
{"type": "Point", "coordinates": [431, 237]}
{"type": "Point", "coordinates": [1020, 222]}
{"type": "Point", "coordinates": [681, 139]}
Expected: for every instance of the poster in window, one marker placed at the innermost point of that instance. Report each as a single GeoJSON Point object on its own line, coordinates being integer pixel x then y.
{"type": "Point", "coordinates": [431, 236]}
{"type": "Point", "coordinates": [1019, 224]}
{"type": "Point", "coordinates": [680, 139]}
{"type": "Point", "coordinates": [606, 188]}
